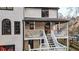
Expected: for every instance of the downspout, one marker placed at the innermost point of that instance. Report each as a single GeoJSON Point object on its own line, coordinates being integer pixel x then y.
{"type": "Point", "coordinates": [23, 27]}
{"type": "Point", "coordinates": [23, 34]}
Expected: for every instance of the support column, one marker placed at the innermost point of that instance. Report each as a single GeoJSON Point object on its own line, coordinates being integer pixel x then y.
{"type": "Point", "coordinates": [67, 39]}
{"type": "Point", "coordinates": [34, 25]}
{"type": "Point", "coordinates": [59, 25]}
{"type": "Point", "coordinates": [40, 44]}
{"type": "Point", "coordinates": [50, 25]}
{"type": "Point", "coordinates": [23, 33]}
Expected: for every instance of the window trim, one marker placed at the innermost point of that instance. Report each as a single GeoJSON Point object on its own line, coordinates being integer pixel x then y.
{"type": "Point", "coordinates": [3, 27]}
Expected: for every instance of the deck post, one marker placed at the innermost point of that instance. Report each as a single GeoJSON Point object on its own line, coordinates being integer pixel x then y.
{"type": "Point", "coordinates": [34, 25]}
{"type": "Point", "coordinates": [50, 25]}
{"type": "Point", "coordinates": [23, 33]}
{"type": "Point", "coordinates": [59, 25]}
{"type": "Point", "coordinates": [40, 44]}
{"type": "Point", "coordinates": [67, 38]}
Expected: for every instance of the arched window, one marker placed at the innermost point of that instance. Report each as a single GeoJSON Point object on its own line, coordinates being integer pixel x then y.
{"type": "Point", "coordinates": [6, 27]}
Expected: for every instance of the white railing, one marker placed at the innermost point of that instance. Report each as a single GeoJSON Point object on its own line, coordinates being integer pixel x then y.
{"type": "Point", "coordinates": [62, 33]}
{"type": "Point", "coordinates": [43, 45]}
{"type": "Point", "coordinates": [56, 43]}
{"type": "Point", "coordinates": [50, 49]}
{"type": "Point", "coordinates": [33, 33]}
{"type": "Point", "coordinates": [45, 39]}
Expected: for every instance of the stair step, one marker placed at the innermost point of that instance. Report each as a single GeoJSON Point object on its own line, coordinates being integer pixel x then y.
{"type": "Point", "coordinates": [50, 41]}
{"type": "Point", "coordinates": [52, 46]}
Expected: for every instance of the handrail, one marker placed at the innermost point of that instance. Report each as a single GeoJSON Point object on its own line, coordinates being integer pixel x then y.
{"type": "Point", "coordinates": [57, 44]}
{"type": "Point", "coordinates": [45, 37]}
{"type": "Point", "coordinates": [33, 33]}
{"type": "Point", "coordinates": [61, 33]}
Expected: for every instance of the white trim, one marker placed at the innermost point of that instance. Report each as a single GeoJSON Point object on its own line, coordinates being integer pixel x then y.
{"type": "Point", "coordinates": [33, 38]}
{"type": "Point", "coordinates": [34, 25]}
{"type": "Point", "coordinates": [50, 49]}
{"type": "Point", "coordinates": [50, 25]}
{"type": "Point", "coordinates": [59, 25]}
{"type": "Point", "coordinates": [62, 37]}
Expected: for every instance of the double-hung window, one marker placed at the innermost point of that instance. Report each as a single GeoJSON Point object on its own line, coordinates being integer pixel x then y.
{"type": "Point", "coordinates": [17, 27]}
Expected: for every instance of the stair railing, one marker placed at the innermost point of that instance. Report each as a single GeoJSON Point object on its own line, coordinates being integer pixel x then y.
{"type": "Point", "coordinates": [57, 44]}
{"type": "Point", "coordinates": [45, 39]}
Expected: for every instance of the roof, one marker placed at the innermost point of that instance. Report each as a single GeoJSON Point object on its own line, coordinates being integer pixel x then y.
{"type": "Point", "coordinates": [44, 7]}
{"type": "Point", "coordinates": [45, 19]}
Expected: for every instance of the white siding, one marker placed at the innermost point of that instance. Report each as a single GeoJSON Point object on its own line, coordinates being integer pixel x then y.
{"type": "Point", "coordinates": [52, 13]}
{"type": "Point", "coordinates": [32, 12]}
{"type": "Point", "coordinates": [36, 12]}
{"type": "Point", "coordinates": [15, 15]}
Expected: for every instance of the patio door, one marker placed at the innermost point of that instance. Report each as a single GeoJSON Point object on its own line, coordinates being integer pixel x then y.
{"type": "Point", "coordinates": [47, 27]}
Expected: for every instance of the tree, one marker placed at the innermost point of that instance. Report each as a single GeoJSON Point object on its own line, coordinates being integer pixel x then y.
{"type": "Point", "coordinates": [60, 15]}
{"type": "Point", "coordinates": [73, 11]}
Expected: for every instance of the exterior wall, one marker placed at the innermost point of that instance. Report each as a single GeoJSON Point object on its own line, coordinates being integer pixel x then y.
{"type": "Point", "coordinates": [14, 15]}
{"type": "Point", "coordinates": [39, 25]}
{"type": "Point", "coordinates": [36, 12]}
{"type": "Point", "coordinates": [36, 44]}
{"type": "Point", "coordinates": [53, 13]}
{"type": "Point", "coordinates": [27, 27]}
{"type": "Point", "coordinates": [32, 12]}
{"type": "Point", "coordinates": [26, 45]}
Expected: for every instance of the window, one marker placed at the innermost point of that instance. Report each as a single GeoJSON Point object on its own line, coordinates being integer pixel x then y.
{"type": "Point", "coordinates": [6, 8]}
{"type": "Point", "coordinates": [6, 27]}
{"type": "Point", "coordinates": [45, 12]}
{"type": "Point", "coordinates": [17, 27]}
{"type": "Point", "coordinates": [31, 25]}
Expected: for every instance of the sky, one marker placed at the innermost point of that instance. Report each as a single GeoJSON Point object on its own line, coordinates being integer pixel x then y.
{"type": "Point", "coordinates": [65, 11]}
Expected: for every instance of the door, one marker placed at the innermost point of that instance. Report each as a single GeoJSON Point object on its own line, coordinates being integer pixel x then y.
{"type": "Point", "coordinates": [47, 28]}
{"type": "Point", "coordinates": [30, 42]}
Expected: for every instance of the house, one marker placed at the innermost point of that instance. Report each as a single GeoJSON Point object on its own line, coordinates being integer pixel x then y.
{"type": "Point", "coordinates": [11, 32]}
{"type": "Point", "coordinates": [42, 29]}
{"type": "Point", "coordinates": [32, 28]}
